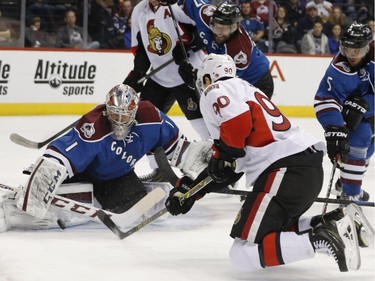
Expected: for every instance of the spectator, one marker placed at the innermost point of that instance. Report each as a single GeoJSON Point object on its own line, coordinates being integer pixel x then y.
{"type": "Point", "coordinates": [5, 32]}
{"type": "Point", "coordinates": [42, 9]}
{"type": "Point", "coordinates": [324, 8]}
{"type": "Point", "coordinates": [253, 25]}
{"type": "Point", "coordinates": [115, 30]}
{"type": "Point", "coordinates": [282, 33]}
{"type": "Point", "coordinates": [128, 35]}
{"type": "Point", "coordinates": [315, 42]}
{"type": "Point", "coordinates": [295, 12]}
{"type": "Point", "coordinates": [34, 36]}
{"type": "Point", "coordinates": [334, 39]}
{"type": "Point", "coordinates": [126, 10]}
{"type": "Point", "coordinates": [363, 15]}
{"type": "Point", "coordinates": [306, 24]}
{"type": "Point", "coordinates": [260, 8]}
{"type": "Point", "coordinates": [71, 35]}
{"type": "Point", "coordinates": [335, 17]}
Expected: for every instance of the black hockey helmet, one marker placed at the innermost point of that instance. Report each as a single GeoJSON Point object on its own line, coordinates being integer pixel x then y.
{"type": "Point", "coordinates": [357, 36]}
{"type": "Point", "coordinates": [226, 14]}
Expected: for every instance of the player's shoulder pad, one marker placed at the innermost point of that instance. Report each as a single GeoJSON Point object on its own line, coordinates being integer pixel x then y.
{"type": "Point", "coordinates": [240, 47]}
{"type": "Point", "coordinates": [94, 125]}
{"type": "Point", "coordinates": [341, 64]}
{"type": "Point", "coordinates": [206, 12]}
{"type": "Point", "coordinates": [147, 113]}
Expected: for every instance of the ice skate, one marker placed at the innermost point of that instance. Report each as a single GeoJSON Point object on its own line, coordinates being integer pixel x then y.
{"type": "Point", "coordinates": [155, 176]}
{"type": "Point", "coordinates": [338, 240]}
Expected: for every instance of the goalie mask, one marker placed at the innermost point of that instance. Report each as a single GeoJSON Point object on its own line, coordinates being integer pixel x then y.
{"type": "Point", "coordinates": [215, 67]}
{"type": "Point", "coordinates": [121, 108]}
{"type": "Point", "coordinates": [354, 43]}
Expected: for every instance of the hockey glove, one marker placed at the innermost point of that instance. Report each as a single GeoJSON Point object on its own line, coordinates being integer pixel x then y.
{"type": "Point", "coordinates": [188, 73]}
{"type": "Point", "coordinates": [167, 2]}
{"type": "Point", "coordinates": [173, 203]}
{"type": "Point", "coordinates": [337, 143]}
{"type": "Point", "coordinates": [222, 164]}
{"type": "Point", "coordinates": [178, 53]}
{"type": "Point", "coordinates": [132, 80]}
{"type": "Point", "coordinates": [353, 111]}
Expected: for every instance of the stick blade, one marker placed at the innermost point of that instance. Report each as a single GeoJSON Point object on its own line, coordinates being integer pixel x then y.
{"type": "Point", "coordinates": [106, 220]}
{"type": "Point", "coordinates": [20, 140]}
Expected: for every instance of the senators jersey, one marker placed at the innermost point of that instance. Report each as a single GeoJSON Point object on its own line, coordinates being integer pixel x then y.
{"type": "Point", "coordinates": [341, 81]}
{"type": "Point", "coordinates": [243, 117]}
{"type": "Point", "coordinates": [155, 28]}
{"type": "Point", "coordinates": [250, 62]}
{"type": "Point", "coordinates": [89, 146]}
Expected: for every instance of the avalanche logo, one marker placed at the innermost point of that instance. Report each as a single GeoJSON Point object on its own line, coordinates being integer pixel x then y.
{"type": "Point", "coordinates": [160, 42]}
{"type": "Point", "coordinates": [240, 59]}
{"type": "Point", "coordinates": [88, 130]}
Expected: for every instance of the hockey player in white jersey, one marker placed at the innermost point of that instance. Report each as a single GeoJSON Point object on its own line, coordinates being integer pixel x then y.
{"type": "Point", "coordinates": [282, 164]}
{"type": "Point", "coordinates": [155, 41]}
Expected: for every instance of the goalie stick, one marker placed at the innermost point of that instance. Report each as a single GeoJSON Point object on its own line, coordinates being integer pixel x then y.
{"type": "Point", "coordinates": [20, 140]}
{"type": "Point", "coordinates": [107, 220]}
{"type": "Point", "coordinates": [81, 209]}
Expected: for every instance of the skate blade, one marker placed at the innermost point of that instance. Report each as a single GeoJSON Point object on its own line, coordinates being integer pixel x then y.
{"type": "Point", "coordinates": [355, 211]}
{"type": "Point", "coordinates": [348, 234]}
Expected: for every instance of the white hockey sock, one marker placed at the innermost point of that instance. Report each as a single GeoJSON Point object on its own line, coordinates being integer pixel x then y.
{"type": "Point", "coordinates": [304, 223]}
{"type": "Point", "coordinates": [200, 127]}
{"type": "Point", "coordinates": [295, 247]}
{"type": "Point", "coordinates": [244, 255]}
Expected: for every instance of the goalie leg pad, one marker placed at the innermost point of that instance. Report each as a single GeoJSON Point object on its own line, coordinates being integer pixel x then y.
{"type": "Point", "coordinates": [35, 197]}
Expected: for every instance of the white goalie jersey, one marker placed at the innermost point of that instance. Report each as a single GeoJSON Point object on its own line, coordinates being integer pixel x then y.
{"type": "Point", "coordinates": [243, 117]}
{"type": "Point", "coordinates": [159, 37]}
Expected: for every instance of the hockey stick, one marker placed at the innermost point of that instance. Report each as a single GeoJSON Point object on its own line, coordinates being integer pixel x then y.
{"type": "Point", "coordinates": [163, 163]}
{"type": "Point", "coordinates": [318, 199]}
{"type": "Point", "coordinates": [120, 234]}
{"type": "Point", "coordinates": [181, 42]}
{"type": "Point", "coordinates": [20, 140]}
{"type": "Point", "coordinates": [164, 166]}
{"type": "Point", "coordinates": [329, 186]}
{"type": "Point", "coordinates": [154, 71]}
{"type": "Point", "coordinates": [123, 219]}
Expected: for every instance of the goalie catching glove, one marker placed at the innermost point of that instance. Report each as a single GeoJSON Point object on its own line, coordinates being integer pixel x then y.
{"type": "Point", "coordinates": [191, 157]}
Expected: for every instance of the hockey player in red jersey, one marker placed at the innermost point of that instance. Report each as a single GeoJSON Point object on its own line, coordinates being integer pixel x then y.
{"type": "Point", "coordinates": [282, 164]}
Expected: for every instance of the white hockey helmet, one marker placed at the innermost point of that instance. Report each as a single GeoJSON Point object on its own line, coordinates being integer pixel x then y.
{"type": "Point", "coordinates": [121, 108]}
{"type": "Point", "coordinates": [215, 67]}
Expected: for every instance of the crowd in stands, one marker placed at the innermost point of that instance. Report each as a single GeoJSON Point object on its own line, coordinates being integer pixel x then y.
{"type": "Point", "coordinates": [296, 26]}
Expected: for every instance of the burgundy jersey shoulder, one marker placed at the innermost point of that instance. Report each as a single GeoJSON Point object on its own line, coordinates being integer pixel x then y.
{"type": "Point", "coordinates": [147, 113]}
{"type": "Point", "coordinates": [340, 62]}
{"type": "Point", "coordinates": [94, 125]}
{"type": "Point", "coordinates": [240, 48]}
{"type": "Point", "coordinates": [206, 12]}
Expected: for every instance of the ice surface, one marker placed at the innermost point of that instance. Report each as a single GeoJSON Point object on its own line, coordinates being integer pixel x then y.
{"type": "Point", "coordinates": [190, 247]}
